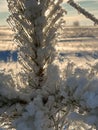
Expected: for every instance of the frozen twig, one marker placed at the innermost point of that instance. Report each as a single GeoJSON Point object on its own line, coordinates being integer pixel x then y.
{"type": "Point", "coordinates": [83, 11]}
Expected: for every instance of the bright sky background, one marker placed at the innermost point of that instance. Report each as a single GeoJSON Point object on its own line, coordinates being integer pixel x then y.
{"type": "Point", "coordinates": [73, 15]}
{"type": "Point", "coordinates": [90, 5]}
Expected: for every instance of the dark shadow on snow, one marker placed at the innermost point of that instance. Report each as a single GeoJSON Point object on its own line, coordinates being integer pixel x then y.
{"type": "Point", "coordinates": [9, 56]}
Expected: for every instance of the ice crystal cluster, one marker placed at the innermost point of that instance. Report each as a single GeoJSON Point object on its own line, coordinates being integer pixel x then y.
{"type": "Point", "coordinates": [54, 102]}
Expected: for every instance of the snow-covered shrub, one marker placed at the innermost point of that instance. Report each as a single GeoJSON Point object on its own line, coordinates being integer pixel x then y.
{"type": "Point", "coordinates": [70, 103]}
{"type": "Point", "coordinates": [11, 100]}
{"type": "Point", "coordinates": [81, 95]}
{"type": "Point", "coordinates": [41, 112]}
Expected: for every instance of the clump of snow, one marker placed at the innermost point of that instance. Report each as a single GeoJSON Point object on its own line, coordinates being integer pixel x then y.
{"type": "Point", "coordinates": [35, 117]}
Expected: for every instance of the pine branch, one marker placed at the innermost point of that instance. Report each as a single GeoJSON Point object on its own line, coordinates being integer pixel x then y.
{"type": "Point", "coordinates": [33, 21]}
{"type": "Point", "coordinates": [83, 11]}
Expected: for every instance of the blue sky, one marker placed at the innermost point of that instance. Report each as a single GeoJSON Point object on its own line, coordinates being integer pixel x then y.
{"type": "Point", "coordinates": [90, 5]}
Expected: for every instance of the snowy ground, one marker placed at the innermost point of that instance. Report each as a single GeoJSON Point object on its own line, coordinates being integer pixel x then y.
{"type": "Point", "coordinates": [6, 43]}
{"type": "Point", "coordinates": [78, 44]}
{"type": "Point", "coordinates": [6, 39]}
{"type": "Point", "coordinates": [78, 48]}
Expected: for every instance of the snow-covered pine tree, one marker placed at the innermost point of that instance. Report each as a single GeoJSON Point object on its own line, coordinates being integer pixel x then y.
{"type": "Point", "coordinates": [36, 24]}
